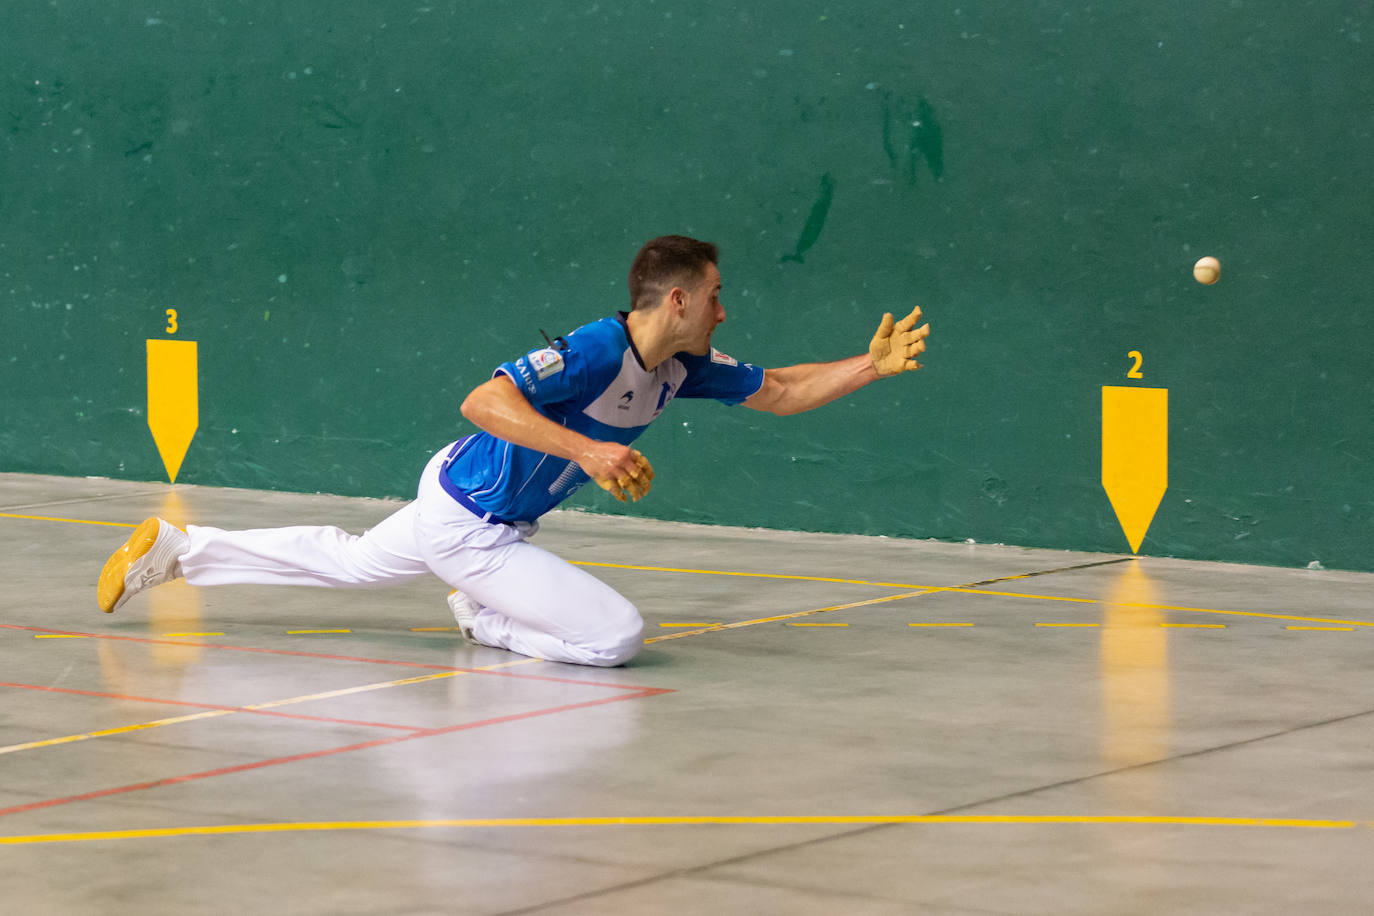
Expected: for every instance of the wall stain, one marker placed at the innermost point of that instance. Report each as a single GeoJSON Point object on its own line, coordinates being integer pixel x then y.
{"type": "Point", "coordinates": [327, 114]}
{"type": "Point", "coordinates": [887, 129]}
{"type": "Point", "coordinates": [995, 489]}
{"type": "Point", "coordinates": [815, 222]}
{"type": "Point", "coordinates": [925, 139]}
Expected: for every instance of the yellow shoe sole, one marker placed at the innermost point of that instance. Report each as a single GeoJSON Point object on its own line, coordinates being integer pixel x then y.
{"type": "Point", "coordinates": [110, 588]}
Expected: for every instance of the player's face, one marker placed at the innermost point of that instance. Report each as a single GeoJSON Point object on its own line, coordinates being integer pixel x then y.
{"type": "Point", "coordinates": [704, 311]}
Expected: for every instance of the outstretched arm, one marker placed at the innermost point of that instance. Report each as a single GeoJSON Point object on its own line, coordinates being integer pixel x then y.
{"type": "Point", "coordinates": [794, 389]}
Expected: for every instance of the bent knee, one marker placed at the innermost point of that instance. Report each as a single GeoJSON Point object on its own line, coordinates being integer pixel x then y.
{"type": "Point", "coordinates": [619, 643]}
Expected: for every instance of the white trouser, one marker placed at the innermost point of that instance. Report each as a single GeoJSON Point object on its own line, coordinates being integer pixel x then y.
{"type": "Point", "coordinates": [531, 601]}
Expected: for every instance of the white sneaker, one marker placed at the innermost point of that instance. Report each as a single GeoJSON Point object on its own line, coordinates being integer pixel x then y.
{"type": "Point", "coordinates": [151, 556]}
{"type": "Point", "coordinates": [464, 612]}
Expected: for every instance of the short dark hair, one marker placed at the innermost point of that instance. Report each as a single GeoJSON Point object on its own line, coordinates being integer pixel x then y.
{"type": "Point", "coordinates": [665, 262]}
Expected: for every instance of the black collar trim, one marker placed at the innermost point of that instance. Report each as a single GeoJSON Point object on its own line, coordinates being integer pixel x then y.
{"type": "Point", "coordinates": [624, 323]}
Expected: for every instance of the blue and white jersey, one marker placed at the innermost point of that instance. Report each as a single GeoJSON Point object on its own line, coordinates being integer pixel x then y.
{"type": "Point", "coordinates": [594, 382]}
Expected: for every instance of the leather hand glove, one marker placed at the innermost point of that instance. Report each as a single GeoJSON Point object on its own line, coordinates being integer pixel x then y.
{"type": "Point", "coordinates": [633, 486]}
{"type": "Point", "coordinates": [896, 345]}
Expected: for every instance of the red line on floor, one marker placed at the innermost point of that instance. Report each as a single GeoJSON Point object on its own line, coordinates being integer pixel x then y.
{"type": "Point", "coordinates": [341, 658]}
{"type": "Point", "coordinates": [256, 712]}
{"type": "Point", "coordinates": [378, 742]}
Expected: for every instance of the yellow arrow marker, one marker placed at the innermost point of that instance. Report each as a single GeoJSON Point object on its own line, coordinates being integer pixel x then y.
{"type": "Point", "coordinates": [173, 399]}
{"type": "Point", "coordinates": [1135, 455]}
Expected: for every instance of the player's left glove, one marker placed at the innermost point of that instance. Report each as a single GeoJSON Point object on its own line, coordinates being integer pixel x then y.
{"type": "Point", "coordinates": [632, 486]}
{"type": "Point", "coordinates": [897, 344]}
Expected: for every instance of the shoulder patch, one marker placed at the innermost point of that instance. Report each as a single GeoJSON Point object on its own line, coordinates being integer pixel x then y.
{"type": "Point", "coordinates": [546, 362]}
{"type": "Point", "coordinates": [719, 357]}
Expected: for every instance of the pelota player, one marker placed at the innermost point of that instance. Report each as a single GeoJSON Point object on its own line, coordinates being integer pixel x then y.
{"type": "Point", "coordinates": [549, 421]}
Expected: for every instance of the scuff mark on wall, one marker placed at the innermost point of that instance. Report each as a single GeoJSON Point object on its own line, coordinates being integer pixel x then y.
{"type": "Point", "coordinates": [925, 138]}
{"type": "Point", "coordinates": [815, 222]}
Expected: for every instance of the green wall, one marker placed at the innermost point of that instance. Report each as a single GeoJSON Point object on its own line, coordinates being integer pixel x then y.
{"type": "Point", "coordinates": [359, 208]}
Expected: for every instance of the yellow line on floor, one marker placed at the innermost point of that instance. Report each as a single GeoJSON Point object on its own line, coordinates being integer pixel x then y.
{"type": "Point", "coordinates": [511, 664]}
{"type": "Point", "coordinates": [172, 635]}
{"type": "Point", "coordinates": [348, 691]}
{"type": "Point", "coordinates": [699, 624]}
{"type": "Point", "coordinates": [681, 821]}
{"type": "Point", "coordinates": [59, 636]}
{"type": "Point", "coordinates": [121, 730]}
{"type": "Point", "coordinates": [73, 521]}
{"type": "Point", "coordinates": [1148, 607]}
{"type": "Point", "coordinates": [969, 590]}
{"type": "Point", "coordinates": [758, 620]}
{"type": "Point", "coordinates": [1203, 610]}
{"type": "Point", "coordinates": [746, 575]}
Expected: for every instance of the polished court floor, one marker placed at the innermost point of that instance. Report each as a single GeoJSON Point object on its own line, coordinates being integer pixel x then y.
{"type": "Point", "coordinates": [820, 724]}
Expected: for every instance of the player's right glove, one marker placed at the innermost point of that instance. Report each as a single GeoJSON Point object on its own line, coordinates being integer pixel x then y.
{"type": "Point", "coordinates": [895, 347]}
{"type": "Point", "coordinates": [631, 487]}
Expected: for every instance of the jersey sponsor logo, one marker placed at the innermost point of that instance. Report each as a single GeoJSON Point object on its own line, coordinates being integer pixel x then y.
{"type": "Point", "coordinates": [719, 357]}
{"type": "Point", "coordinates": [545, 362]}
{"type": "Point", "coordinates": [526, 377]}
{"type": "Point", "coordinates": [627, 398]}
{"type": "Point", "coordinates": [664, 395]}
